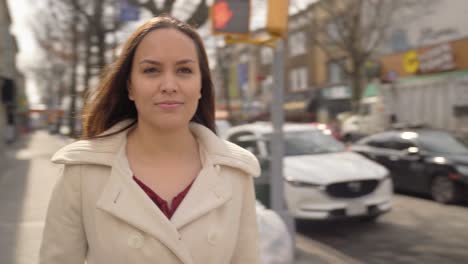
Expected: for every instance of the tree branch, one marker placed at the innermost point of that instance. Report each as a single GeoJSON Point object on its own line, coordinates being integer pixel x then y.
{"type": "Point", "coordinates": [200, 15]}
{"type": "Point", "coordinates": [150, 5]}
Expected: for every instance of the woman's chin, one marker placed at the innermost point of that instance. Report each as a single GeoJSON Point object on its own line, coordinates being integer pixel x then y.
{"type": "Point", "coordinates": [170, 124]}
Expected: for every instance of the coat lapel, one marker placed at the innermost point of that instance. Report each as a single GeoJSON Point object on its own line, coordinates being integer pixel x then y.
{"type": "Point", "coordinates": [123, 199]}
{"type": "Point", "coordinates": [209, 191]}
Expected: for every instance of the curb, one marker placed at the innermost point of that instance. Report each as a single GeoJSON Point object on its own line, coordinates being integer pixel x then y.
{"type": "Point", "coordinates": [323, 251]}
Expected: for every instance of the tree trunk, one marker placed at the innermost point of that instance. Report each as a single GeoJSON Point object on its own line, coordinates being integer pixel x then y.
{"type": "Point", "coordinates": [356, 76]}
{"type": "Point", "coordinates": [87, 73]}
{"type": "Point", "coordinates": [100, 34]}
{"type": "Point", "coordinates": [74, 66]}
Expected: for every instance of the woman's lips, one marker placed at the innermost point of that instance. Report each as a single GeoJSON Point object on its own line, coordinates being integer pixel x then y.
{"type": "Point", "coordinates": [169, 105]}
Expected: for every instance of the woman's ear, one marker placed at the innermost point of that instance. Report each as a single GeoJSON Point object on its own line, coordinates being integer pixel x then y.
{"type": "Point", "coordinates": [130, 91]}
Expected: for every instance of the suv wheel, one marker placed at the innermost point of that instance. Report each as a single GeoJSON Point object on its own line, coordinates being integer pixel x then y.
{"type": "Point", "coordinates": [444, 190]}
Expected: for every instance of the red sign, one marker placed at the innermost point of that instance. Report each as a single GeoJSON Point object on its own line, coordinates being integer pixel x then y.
{"type": "Point", "coordinates": [230, 17]}
{"type": "Point", "coordinates": [222, 14]}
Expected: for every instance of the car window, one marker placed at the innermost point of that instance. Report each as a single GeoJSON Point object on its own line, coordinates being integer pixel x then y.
{"type": "Point", "coordinates": [245, 140]}
{"type": "Point", "coordinates": [382, 140]}
{"type": "Point", "coordinates": [401, 144]}
{"type": "Point", "coordinates": [308, 142]}
{"type": "Point", "coordinates": [442, 142]}
{"type": "Point", "coordinates": [365, 109]}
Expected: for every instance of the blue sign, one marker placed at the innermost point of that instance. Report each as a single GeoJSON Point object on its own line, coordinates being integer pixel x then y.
{"type": "Point", "coordinates": [243, 77]}
{"type": "Point", "coordinates": [128, 12]}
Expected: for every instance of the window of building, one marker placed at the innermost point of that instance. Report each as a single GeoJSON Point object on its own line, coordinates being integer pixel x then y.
{"type": "Point", "coordinates": [266, 55]}
{"type": "Point", "coordinates": [297, 44]}
{"type": "Point", "coordinates": [267, 85]}
{"type": "Point", "coordinates": [336, 72]}
{"type": "Point", "coordinates": [298, 79]}
{"type": "Point", "coordinates": [332, 31]}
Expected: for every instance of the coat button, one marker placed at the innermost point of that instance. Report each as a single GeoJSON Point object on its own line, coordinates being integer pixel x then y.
{"type": "Point", "coordinates": [218, 193]}
{"type": "Point", "coordinates": [217, 168]}
{"type": "Point", "coordinates": [136, 241]}
{"type": "Point", "coordinates": [212, 238]}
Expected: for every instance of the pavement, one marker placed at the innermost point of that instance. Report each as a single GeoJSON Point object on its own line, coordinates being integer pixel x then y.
{"type": "Point", "coordinates": [26, 181]}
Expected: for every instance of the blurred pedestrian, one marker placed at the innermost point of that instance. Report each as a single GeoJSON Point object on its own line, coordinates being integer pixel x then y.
{"type": "Point", "coordinates": [150, 182]}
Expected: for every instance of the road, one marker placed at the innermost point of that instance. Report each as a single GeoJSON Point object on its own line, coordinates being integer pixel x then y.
{"type": "Point", "coordinates": [417, 230]}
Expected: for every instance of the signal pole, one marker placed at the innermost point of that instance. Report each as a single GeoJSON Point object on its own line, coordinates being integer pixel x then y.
{"type": "Point", "coordinates": [277, 141]}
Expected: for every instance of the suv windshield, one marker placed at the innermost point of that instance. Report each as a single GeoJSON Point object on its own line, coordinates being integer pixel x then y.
{"type": "Point", "coordinates": [442, 142]}
{"type": "Point", "coordinates": [309, 142]}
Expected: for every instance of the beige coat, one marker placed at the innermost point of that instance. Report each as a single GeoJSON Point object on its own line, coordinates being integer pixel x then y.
{"type": "Point", "coordinates": [99, 214]}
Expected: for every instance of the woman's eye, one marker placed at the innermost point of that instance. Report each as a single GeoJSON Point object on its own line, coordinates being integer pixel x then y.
{"type": "Point", "coordinates": [150, 70]}
{"type": "Point", "coordinates": [185, 70]}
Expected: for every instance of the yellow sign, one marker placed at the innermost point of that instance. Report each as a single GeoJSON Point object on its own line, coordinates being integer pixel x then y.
{"type": "Point", "coordinates": [411, 62]}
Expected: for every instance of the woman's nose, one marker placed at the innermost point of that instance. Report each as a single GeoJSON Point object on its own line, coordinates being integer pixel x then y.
{"type": "Point", "coordinates": [169, 84]}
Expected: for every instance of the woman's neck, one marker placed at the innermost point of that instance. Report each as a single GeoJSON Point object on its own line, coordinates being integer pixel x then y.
{"type": "Point", "coordinates": [159, 143]}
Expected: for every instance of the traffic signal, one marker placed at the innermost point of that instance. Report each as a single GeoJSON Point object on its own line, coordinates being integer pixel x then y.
{"type": "Point", "coordinates": [230, 17]}
{"type": "Point", "coordinates": [277, 19]}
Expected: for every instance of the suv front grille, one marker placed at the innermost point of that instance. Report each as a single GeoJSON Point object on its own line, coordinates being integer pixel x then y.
{"type": "Point", "coordinates": [352, 189]}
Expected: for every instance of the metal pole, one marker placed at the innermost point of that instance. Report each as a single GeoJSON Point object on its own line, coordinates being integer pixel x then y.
{"type": "Point", "coordinates": [277, 145]}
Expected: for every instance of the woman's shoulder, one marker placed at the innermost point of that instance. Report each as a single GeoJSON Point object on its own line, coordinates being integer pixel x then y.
{"type": "Point", "coordinates": [240, 158]}
{"type": "Point", "coordinates": [99, 151]}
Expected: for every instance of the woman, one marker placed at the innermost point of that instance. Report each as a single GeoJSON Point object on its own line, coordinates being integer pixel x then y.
{"type": "Point", "coordinates": [151, 182]}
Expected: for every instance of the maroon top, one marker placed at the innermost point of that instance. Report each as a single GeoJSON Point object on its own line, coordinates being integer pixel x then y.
{"type": "Point", "coordinates": [161, 203]}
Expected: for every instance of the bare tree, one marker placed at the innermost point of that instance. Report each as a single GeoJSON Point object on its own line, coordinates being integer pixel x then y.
{"type": "Point", "coordinates": [199, 16]}
{"type": "Point", "coordinates": [354, 29]}
{"type": "Point", "coordinates": [77, 34]}
{"type": "Point", "coordinates": [60, 33]}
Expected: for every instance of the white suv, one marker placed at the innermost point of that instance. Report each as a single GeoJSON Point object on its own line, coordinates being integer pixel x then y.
{"type": "Point", "coordinates": [322, 179]}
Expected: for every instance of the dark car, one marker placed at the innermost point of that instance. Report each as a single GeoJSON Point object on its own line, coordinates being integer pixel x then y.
{"type": "Point", "coordinates": [422, 161]}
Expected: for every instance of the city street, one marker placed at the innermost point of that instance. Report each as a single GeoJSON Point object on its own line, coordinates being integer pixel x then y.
{"type": "Point", "coordinates": [417, 230]}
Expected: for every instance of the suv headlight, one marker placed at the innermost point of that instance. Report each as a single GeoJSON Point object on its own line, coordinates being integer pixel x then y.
{"type": "Point", "coordinates": [298, 183]}
{"type": "Point", "coordinates": [462, 169]}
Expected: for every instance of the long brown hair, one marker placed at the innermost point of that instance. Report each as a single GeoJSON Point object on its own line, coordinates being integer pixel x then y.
{"type": "Point", "coordinates": [110, 103]}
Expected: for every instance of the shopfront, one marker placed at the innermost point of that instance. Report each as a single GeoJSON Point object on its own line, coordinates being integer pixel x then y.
{"type": "Point", "coordinates": [444, 57]}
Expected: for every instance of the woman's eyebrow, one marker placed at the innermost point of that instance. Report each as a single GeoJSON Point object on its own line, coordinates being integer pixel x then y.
{"type": "Point", "coordinates": [155, 62]}
{"type": "Point", "coordinates": [150, 62]}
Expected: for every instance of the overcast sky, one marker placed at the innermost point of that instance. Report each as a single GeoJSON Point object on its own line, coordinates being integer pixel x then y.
{"type": "Point", "coordinates": [23, 14]}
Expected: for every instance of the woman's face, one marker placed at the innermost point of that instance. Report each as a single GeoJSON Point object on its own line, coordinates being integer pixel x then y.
{"type": "Point", "coordinates": [165, 81]}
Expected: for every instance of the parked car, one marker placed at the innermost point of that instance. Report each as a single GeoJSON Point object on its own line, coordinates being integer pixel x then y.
{"type": "Point", "coordinates": [321, 179]}
{"type": "Point", "coordinates": [222, 125]}
{"type": "Point", "coordinates": [421, 160]}
{"type": "Point", "coordinates": [328, 129]}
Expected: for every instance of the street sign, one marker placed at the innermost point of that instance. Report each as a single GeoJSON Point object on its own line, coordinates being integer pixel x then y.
{"type": "Point", "coordinates": [128, 12]}
{"type": "Point", "coordinates": [230, 17]}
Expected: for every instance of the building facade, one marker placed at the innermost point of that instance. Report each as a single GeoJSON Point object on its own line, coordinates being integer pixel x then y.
{"type": "Point", "coordinates": [11, 81]}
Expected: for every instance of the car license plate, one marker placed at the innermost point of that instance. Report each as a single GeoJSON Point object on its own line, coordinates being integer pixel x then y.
{"type": "Point", "coordinates": [356, 208]}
